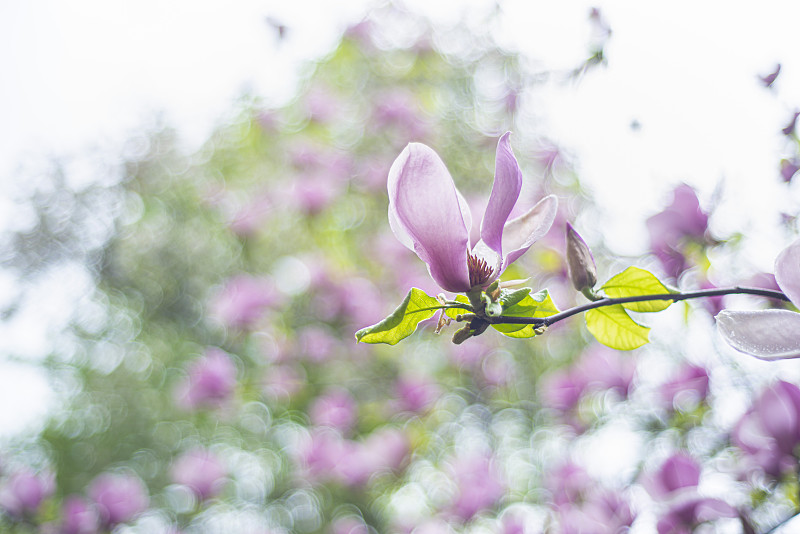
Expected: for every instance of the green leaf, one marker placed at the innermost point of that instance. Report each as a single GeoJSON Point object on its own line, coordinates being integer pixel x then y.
{"type": "Point", "coordinates": [505, 300]}
{"type": "Point", "coordinates": [509, 297]}
{"type": "Point", "coordinates": [633, 282]}
{"type": "Point", "coordinates": [454, 312]}
{"type": "Point", "coordinates": [613, 327]}
{"type": "Point", "coordinates": [416, 307]}
{"type": "Point", "coordinates": [536, 305]}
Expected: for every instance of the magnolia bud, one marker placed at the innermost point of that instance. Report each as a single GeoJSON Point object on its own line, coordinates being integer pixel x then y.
{"type": "Point", "coordinates": [580, 262]}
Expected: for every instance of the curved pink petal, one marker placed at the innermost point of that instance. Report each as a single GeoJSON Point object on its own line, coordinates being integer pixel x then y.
{"type": "Point", "coordinates": [787, 272]}
{"type": "Point", "coordinates": [505, 192]}
{"type": "Point", "coordinates": [778, 408]}
{"type": "Point", "coordinates": [520, 233]}
{"type": "Point", "coordinates": [425, 212]}
{"type": "Point", "coordinates": [765, 334]}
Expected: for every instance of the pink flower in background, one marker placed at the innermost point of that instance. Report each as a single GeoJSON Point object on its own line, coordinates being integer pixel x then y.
{"type": "Point", "coordinates": [687, 389]}
{"type": "Point", "coordinates": [317, 344]}
{"type": "Point", "coordinates": [416, 394]}
{"type": "Point", "coordinates": [789, 168]}
{"type": "Point", "coordinates": [248, 219]}
{"type": "Point", "coordinates": [678, 474]}
{"type": "Point", "coordinates": [327, 456]}
{"type": "Point", "coordinates": [429, 216]}
{"type": "Point", "coordinates": [383, 451]}
{"type": "Point", "coordinates": [243, 300]}
{"type": "Point", "coordinates": [582, 505]}
{"type": "Point", "coordinates": [684, 516]}
{"type": "Point", "coordinates": [335, 409]}
{"type": "Point", "coordinates": [282, 382]}
{"type": "Point", "coordinates": [479, 484]}
{"type": "Point", "coordinates": [399, 110]}
{"type": "Point", "coordinates": [599, 369]}
{"type": "Point", "coordinates": [681, 221]}
{"type": "Point", "coordinates": [603, 369]}
{"type": "Point", "coordinates": [210, 381]}
{"type": "Point", "coordinates": [78, 517]}
{"type": "Point", "coordinates": [790, 128]}
{"type": "Point", "coordinates": [769, 334]}
{"type": "Point", "coordinates": [24, 491]}
{"type": "Point", "coordinates": [561, 390]}
{"type": "Point", "coordinates": [603, 511]}
{"type": "Point", "coordinates": [321, 105]}
{"type": "Point", "coordinates": [202, 471]}
{"type": "Point", "coordinates": [568, 483]}
{"type": "Point", "coordinates": [349, 525]}
{"type": "Point", "coordinates": [769, 432]}
{"type": "Point", "coordinates": [119, 497]}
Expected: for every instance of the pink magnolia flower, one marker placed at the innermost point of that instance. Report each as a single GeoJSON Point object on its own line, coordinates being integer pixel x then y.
{"type": "Point", "coordinates": [335, 409]}
{"type": "Point", "coordinates": [669, 230]}
{"type": "Point", "coordinates": [479, 485]}
{"type": "Point", "coordinates": [210, 382]}
{"type": "Point", "coordinates": [78, 517]}
{"type": "Point", "coordinates": [769, 334]}
{"type": "Point", "coordinates": [769, 432]}
{"type": "Point", "coordinates": [202, 471]}
{"type": "Point", "coordinates": [684, 516]}
{"type": "Point", "coordinates": [416, 394]}
{"type": "Point", "coordinates": [429, 216]}
{"type": "Point", "coordinates": [24, 491]}
{"type": "Point", "coordinates": [688, 388]}
{"type": "Point", "coordinates": [119, 497]}
{"type": "Point", "coordinates": [679, 473]}
{"type": "Point", "coordinates": [243, 301]}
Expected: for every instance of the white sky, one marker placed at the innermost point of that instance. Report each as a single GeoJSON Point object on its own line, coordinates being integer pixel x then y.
{"type": "Point", "coordinates": [89, 72]}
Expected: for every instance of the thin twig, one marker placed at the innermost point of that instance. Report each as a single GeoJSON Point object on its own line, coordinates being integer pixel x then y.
{"type": "Point", "coordinates": [552, 319]}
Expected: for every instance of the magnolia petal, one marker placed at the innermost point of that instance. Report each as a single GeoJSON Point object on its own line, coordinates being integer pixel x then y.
{"type": "Point", "coordinates": [765, 334]}
{"type": "Point", "coordinates": [492, 259]}
{"type": "Point", "coordinates": [505, 192]}
{"type": "Point", "coordinates": [520, 233]}
{"type": "Point", "coordinates": [425, 212]}
{"type": "Point", "coordinates": [787, 272]}
{"type": "Point", "coordinates": [466, 212]}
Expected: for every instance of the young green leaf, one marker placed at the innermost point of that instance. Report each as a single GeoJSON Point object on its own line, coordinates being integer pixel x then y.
{"type": "Point", "coordinates": [455, 312]}
{"type": "Point", "coordinates": [613, 327]}
{"type": "Point", "coordinates": [536, 305]}
{"type": "Point", "coordinates": [633, 282]}
{"type": "Point", "coordinates": [416, 307]}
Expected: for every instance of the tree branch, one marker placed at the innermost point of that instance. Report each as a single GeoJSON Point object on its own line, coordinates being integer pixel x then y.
{"type": "Point", "coordinates": [547, 321]}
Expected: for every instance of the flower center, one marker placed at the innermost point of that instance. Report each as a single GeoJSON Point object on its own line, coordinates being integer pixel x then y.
{"type": "Point", "coordinates": [479, 271]}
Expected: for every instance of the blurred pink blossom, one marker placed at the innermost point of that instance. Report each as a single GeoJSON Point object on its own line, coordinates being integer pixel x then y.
{"type": "Point", "coordinates": [479, 485]}
{"type": "Point", "coordinates": [119, 497]}
{"type": "Point", "coordinates": [327, 456]}
{"type": "Point", "coordinates": [78, 517]}
{"type": "Point", "coordinates": [416, 393]}
{"type": "Point", "coordinates": [243, 300]}
{"type": "Point", "coordinates": [24, 491]}
{"type": "Point", "coordinates": [201, 470]}
{"type": "Point", "coordinates": [687, 389]}
{"type": "Point", "coordinates": [769, 432]}
{"type": "Point", "coordinates": [684, 516]}
{"type": "Point", "coordinates": [335, 409]}
{"type": "Point", "coordinates": [681, 221]}
{"type": "Point", "coordinates": [602, 511]}
{"type": "Point", "coordinates": [210, 381]}
{"type": "Point", "coordinates": [349, 525]}
{"type": "Point", "coordinates": [568, 483]}
{"type": "Point", "coordinates": [248, 219]}
{"type": "Point", "coordinates": [282, 382]}
{"type": "Point", "coordinates": [317, 344]}
{"type": "Point", "coordinates": [789, 168]}
{"type": "Point", "coordinates": [678, 474]}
